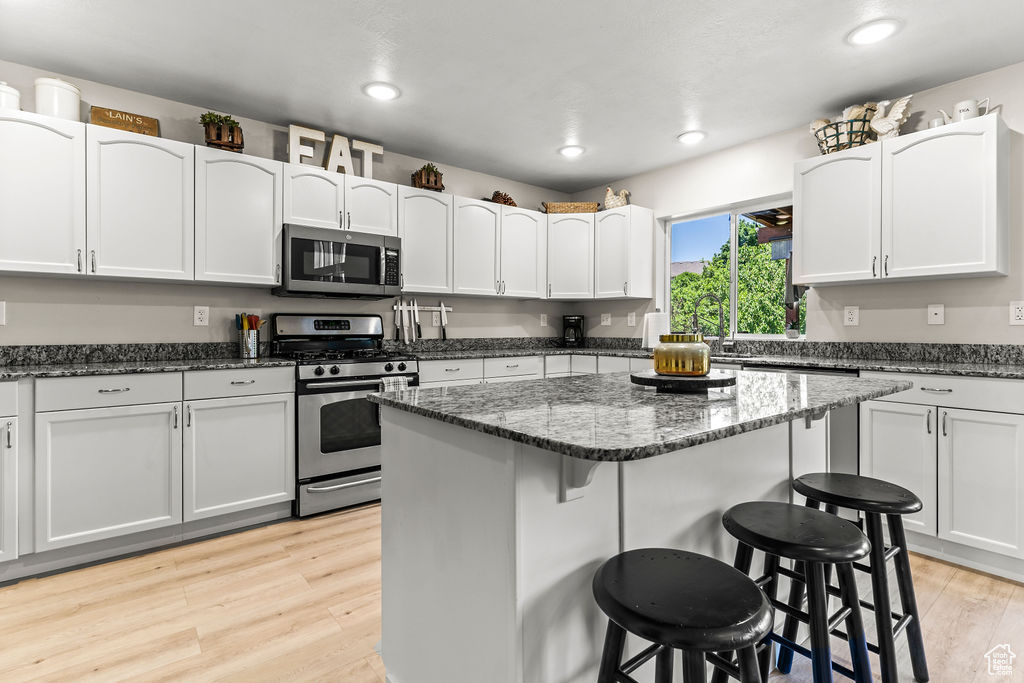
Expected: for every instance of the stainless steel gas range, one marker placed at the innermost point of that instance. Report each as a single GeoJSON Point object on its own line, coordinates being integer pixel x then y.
{"type": "Point", "coordinates": [340, 361]}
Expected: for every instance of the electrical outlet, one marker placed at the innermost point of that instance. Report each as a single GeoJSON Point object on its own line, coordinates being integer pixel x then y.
{"type": "Point", "coordinates": [631, 319]}
{"type": "Point", "coordinates": [1017, 312]}
{"type": "Point", "coordinates": [201, 316]}
{"type": "Point", "coordinates": [435, 319]}
{"type": "Point", "coordinates": [543, 319]}
{"type": "Point", "coordinates": [851, 316]}
{"type": "Point", "coordinates": [936, 314]}
{"type": "Point", "coordinates": [606, 319]}
{"type": "Point", "coordinates": [3, 312]}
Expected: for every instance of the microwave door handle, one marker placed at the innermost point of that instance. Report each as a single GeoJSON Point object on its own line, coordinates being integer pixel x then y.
{"type": "Point", "coordinates": [383, 264]}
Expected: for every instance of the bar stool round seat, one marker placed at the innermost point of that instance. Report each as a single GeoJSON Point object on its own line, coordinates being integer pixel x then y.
{"type": "Point", "coordinates": [799, 533]}
{"type": "Point", "coordinates": [682, 599]}
{"type": "Point", "coordinates": [858, 493]}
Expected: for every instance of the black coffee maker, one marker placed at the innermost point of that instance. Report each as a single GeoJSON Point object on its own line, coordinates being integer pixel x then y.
{"type": "Point", "coordinates": [572, 331]}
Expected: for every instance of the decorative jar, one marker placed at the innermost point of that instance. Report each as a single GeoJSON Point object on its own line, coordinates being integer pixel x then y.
{"type": "Point", "coordinates": [682, 354]}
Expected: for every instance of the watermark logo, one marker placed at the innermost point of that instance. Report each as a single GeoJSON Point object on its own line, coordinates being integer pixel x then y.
{"type": "Point", "coordinates": [1000, 660]}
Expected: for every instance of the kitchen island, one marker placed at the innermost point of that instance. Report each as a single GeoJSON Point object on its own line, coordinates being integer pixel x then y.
{"type": "Point", "coordinates": [500, 502]}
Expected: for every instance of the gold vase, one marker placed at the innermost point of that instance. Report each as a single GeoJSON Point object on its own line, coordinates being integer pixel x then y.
{"type": "Point", "coordinates": [682, 354]}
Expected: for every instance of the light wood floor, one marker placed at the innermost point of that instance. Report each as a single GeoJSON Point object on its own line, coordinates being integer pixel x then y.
{"type": "Point", "coordinates": [300, 601]}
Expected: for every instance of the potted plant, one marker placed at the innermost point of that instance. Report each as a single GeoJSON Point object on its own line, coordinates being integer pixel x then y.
{"type": "Point", "coordinates": [222, 131]}
{"type": "Point", "coordinates": [428, 177]}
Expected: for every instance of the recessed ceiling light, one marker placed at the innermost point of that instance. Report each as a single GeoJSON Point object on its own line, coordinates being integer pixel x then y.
{"type": "Point", "coordinates": [571, 151]}
{"type": "Point", "coordinates": [692, 137]}
{"type": "Point", "coordinates": [381, 91]}
{"type": "Point", "coordinates": [873, 32]}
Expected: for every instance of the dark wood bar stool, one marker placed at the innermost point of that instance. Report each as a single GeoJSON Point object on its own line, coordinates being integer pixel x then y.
{"type": "Point", "coordinates": [876, 498]}
{"type": "Point", "coordinates": [679, 600]}
{"type": "Point", "coordinates": [814, 540]}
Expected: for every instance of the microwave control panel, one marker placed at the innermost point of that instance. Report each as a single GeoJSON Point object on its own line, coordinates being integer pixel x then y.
{"type": "Point", "coordinates": [392, 276]}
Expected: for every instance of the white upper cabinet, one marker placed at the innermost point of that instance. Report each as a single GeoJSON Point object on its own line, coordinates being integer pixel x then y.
{"type": "Point", "coordinates": [523, 253]}
{"type": "Point", "coordinates": [42, 194]}
{"type": "Point", "coordinates": [571, 256]}
{"type": "Point", "coordinates": [313, 196]}
{"type": "Point", "coordinates": [238, 218]}
{"type": "Point", "coordinates": [624, 253]}
{"type": "Point", "coordinates": [139, 205]}
{"type": "Point", "coordinates": [944, 201]}
{"type": "Point", "coordinates": [371, 205]}
{"type": "Point", "coordinates": [477, 232]}
{"type": "Point", "coordinates": [837, 217]}
{"type": "Point", "coordinates": [425, 224]}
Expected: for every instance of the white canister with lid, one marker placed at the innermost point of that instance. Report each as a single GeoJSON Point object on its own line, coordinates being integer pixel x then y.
{"type": "Point", "coordinates": [9, 97]}
{"type": "Point", "coordinates": [58, 98]}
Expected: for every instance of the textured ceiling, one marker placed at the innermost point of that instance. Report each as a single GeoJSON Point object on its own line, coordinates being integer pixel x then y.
{"type": "Point", "coordinates": [498, 87]}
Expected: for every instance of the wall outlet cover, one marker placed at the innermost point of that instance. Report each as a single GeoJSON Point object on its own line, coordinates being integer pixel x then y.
{"type": "Point", "coordinates": [851, 316]}
{"type": "Point", "coordinates": [543, 319]}
{"type": "Point", "coordinates": [606, 319]}
{"type": "Point", "coordinates": [3, 312]}
{"type": "Point", "coordinates": [936, 314]}
{"type": "Point", "coordinates": [1017, 312]}
{"type": "Point", "coordinates": [435, 318]}
{"type": "Point", "coordinates": [201, 316]}
{"type": "Point", "coordinates": [631, 319]}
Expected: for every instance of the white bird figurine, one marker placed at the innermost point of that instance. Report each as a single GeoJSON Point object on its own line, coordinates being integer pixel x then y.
{"type": "Point", "coordinates": [887, 125]}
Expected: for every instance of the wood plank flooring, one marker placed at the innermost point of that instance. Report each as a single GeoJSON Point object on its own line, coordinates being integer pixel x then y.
{"type": "Point", "coordinates": [300, 601]}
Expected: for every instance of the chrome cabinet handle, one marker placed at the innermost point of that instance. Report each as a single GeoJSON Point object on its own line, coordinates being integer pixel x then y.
{"type": "Point", "coordinates": [348, 215]}
{"type": "Point", "coordinates": [338, 487]}
{"type": "Point", "coordinates": [928, 421]}
{"type": "Point", "coordinates": [937, 391]}
{"type": "Point", "coordinates": [512, 367]}
{"type": "Point", "coordinates": [277, 273]}
{"type": "Point", "coordinates": [93, 255]}
{"type": "Point", "coordinates": [10, 427]}
{"type": "Point", "coordinates": [341, 220]}
{"type": "Point", "coordinates": [242, 382]}
{"type": "Point", "coordinates": [115, 391]}
{"type": "Point", "coordinates": [188, 415]}
{"type": "Point", "coordinates": [503, 287]}
{"type": "Point", "coordinates": [944, 415]}
{"type": "Point", "coordinates": [175, 417]}
{"type": "Point", "coordinates": [625, 287]}
{"type": "Point", "coordinates": [452, 369]}
{"type": "Point", "coordinates": [549, 289]}
{"type": "Point", "coordinates": [886, 265]}
{"type": "Point", "coordinates": [874, 262]}
{"type": "Point", "coordinates": [79, 260]}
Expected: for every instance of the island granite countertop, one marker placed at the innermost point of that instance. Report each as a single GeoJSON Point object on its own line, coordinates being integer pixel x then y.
{"type": "Point", "coordinates": [608, 418]}
{"type": "Point", "coordinates": [12, 372]}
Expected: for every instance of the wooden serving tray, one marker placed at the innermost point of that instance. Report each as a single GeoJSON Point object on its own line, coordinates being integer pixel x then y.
{"type": "Point", "coordinates": [680, 384]}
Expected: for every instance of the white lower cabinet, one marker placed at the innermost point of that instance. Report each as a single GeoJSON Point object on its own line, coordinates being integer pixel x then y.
{"type": "Point", "coordinates": [981, 480]}
{"type": "Point", "coordinates": [607, 364]}
{"type": "Point", "coordinates": [897, 444]}
{"type": "Point", "coordinates": [641, 364]}
{"type": "Point", "coordinates": [239, 453]}
{"type": "Point", "coordinates": [583, 365]}
{"type": "Point", "coordinates": [106, 472]}
{"type": "Point", "coordinates": [8, 489]}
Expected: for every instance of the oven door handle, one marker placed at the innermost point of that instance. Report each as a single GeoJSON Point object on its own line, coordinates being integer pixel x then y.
{"type": "Point", "coordinates": [338, 487]}
{"type": "Point", "coordinates": [349, 383]}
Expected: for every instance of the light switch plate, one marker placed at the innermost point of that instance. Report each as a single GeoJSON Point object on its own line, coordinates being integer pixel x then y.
{"type": "Point", "coordinates": [851, 316]}
{"type": "Point", "coordinates": [3, 312]}
{"type": "Point", "coordinates": [936, 314]}
{"type": "Point", "coordinates": [201, 316]}
{"type": "Point", "coordinates": [1017, 312]}
{"type": "Point", "coordinates": [606, 319]}
{"type": "Point", "coordinates": [631, 319]}
{"type": "Point", "coordinates": [543, 319]}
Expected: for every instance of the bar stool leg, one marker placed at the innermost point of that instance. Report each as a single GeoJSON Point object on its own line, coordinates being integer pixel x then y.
{"type": "Point", "coordinates": [694, 668]}
{"type": "Point", "coordinates": [611, 655]}
{"type": "Point", "coordinates": [744, 558]}
{"type": "Point", "coordinates": [880, 591]}
{"type": "Point", "coordinates": [749, 666]}
{"type": "Point", "coordinates": [908, 599]}
{"type": "Point", "coordinates": [817, 609]}
{"type": "Point", "coordinates": [791, 626]}
{"type": "Point", "coordinates": [854, 624]}
{"type": "Point", "coordinates": [771, 589]}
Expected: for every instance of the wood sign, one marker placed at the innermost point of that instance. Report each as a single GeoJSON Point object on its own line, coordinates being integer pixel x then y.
{"type": "Point", "coordinates": [124, 120]}
{"type": "Point", "coordinates": [338, 157]}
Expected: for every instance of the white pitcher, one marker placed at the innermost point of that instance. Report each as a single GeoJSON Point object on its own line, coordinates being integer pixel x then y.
{"type": "Point", "coordinates": [966, 109]}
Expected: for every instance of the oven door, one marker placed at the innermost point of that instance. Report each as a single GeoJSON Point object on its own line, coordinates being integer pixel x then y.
{"type": "Point", "coordinates": [324, 261]}
{"type": "Point", "coordinates": [338, 429]}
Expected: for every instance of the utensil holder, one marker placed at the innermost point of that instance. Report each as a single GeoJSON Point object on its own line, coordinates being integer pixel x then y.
{"type": "Point", "coordinates": [249, 344]}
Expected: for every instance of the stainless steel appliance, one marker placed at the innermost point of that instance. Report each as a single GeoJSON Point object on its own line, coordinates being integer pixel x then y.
{"type": "Point", "coordinates": [327, 262]}
{"type": "Point", "coordinates": [340, 361]}
{"type": "Point", "coordinates": [572, 331]}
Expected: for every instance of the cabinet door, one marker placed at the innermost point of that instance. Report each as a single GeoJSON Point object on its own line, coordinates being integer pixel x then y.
{"type": "Point", "coordinates": [981, 480]}
{"type": "Point", "coordinates": [897, 444]}
{"type": "Point", "coordinates": [313, 196]}
{"type": "Point", "coordinates": [944, 200]}
{"type": "Point", "coordinates": [611, 253]}
{"type": "Point", "coordinates": [425, 226]}
{"type": "Point", "coordinates": [608, 364]}
{"type": "Point", "coordinates": [571, 256]}
{"type": "Point", "coordinates": [238, 218]}
{"type": "Point", "coordinates": [106, 472]}
{"type": "Point", "coordinates": [42, 194]}
{"type": "Point", "coordinates": [523, 253]}
{"type": "Point", "coordinates": [477, 231]}
{"type": "Point", "coordinates": [140, 205]}
{"type": "Point", "coordinates": [371, 205]}
{"type": "Point", "coordinates": [8, 489]}
{"type": "Point", "coordinates": [239, 454]}
{"type": "Point", "coordinates": [837, 217]}
{"type": "Point", "coordinates": [641, 364]}
{"type": "Point", "coordinates": [641, 253]}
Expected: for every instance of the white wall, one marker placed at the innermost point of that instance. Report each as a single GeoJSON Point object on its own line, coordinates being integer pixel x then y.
{"type": "Point", "coordinates": [976, 308]}
{"type": "Point", "coordinates": [52, 310]}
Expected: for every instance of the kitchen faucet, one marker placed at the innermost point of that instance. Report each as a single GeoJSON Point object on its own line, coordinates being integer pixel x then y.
{"type": "Point", "coordinates": [721, 318]}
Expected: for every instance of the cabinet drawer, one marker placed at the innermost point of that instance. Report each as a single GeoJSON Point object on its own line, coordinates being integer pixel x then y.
{"type": "Point", "coordinates": [101, 391]}
{"type": "Point", "coordinates": [443, 370]}
{"type": "Point", "coordinates": [8, 398]}
{"type": "Point", "coordinates": [556, 365]}
{"type": "Point", "coordinates": [238, 382]}
{"type": "Point", "coordinates": [510, 367]}
{"type": "Point", "coordinates": [583, 365]}
{"type": "Point", "coordinates": [974, 393]}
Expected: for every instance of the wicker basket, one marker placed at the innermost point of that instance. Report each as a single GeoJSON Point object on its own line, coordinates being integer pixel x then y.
{"type": "Point", "coordinates": [846, 134]}
{"type": "Point", "coordinates": [570, 207]}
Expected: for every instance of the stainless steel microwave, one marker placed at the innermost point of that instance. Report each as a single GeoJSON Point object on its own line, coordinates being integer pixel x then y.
{"type": "Point", "coordinates": [329, 262]}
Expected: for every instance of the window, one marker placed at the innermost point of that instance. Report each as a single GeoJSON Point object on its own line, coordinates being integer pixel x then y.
{"type": "Point", "coordinates": [744, 259]}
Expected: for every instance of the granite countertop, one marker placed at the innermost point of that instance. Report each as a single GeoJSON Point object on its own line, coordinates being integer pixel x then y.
{"type": "Point", "coordinates": [608, 418]}
{"type": "Point", "coordinates": [128, 367]}
{"type": "Point", "coordinates": [540, 351]}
